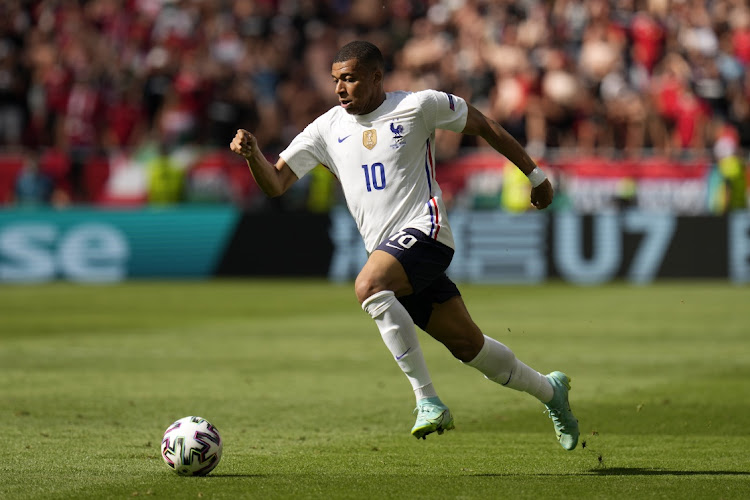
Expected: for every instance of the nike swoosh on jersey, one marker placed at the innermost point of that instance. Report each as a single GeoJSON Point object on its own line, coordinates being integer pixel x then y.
{"type": "Point", "coordinates": [342, 139]}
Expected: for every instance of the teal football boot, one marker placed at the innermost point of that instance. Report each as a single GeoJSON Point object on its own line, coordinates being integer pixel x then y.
{"type": "Point", "coordinates": [566, 425]}
{"type": "Point", "coordinates": [432, 416]}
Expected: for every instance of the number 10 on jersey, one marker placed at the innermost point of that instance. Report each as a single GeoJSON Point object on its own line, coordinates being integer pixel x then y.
{"type": "Point", "coordinates": [374, 176]}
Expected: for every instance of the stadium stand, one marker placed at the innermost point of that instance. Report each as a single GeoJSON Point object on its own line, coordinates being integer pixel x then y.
{"type": "Point", "coordinates": [620, 80]}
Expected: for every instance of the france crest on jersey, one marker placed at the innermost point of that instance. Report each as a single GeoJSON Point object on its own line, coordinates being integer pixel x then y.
{"type": "Point", "coordinates": [398, 138]}
{"type": "Point", "coordinates": [385, 161]}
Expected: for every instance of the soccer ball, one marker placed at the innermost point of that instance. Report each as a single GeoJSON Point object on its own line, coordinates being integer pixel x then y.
{"type": "Point", "coordinates": [191, 446]}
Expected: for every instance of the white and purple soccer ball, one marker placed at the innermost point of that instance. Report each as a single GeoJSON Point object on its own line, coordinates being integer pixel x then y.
{"type": "Point", "coordinates": [191, 446]}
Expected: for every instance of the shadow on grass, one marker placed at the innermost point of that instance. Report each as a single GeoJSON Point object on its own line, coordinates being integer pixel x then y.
{"type": "Point", "coordinates": [227, 476]}
{"type": "Point", "coordinates": [641, 471]}
{"type": "Point", "coordinates": [631, 471]}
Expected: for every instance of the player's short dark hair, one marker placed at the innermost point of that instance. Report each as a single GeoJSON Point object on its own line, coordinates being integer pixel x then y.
{"type": "Point", "coordinates": [365, 53]}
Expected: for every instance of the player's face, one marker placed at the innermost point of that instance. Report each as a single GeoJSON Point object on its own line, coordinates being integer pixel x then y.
{"type": "Point", "coordinates": [358, 88]}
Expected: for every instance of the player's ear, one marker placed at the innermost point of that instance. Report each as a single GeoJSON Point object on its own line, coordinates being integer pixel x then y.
{"type": "Point", "coordinates": [377, 77]}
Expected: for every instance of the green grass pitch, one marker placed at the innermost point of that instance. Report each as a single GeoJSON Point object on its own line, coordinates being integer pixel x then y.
{"type": "Point", "coordinates": [311, 405]}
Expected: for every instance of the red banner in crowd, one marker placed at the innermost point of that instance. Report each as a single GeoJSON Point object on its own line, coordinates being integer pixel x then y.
{"type": "Point", "coordinates": [592, 184]}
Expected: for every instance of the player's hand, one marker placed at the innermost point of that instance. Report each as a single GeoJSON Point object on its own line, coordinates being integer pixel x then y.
{"type": "Point", "coordinates": [541, 196]}
{"type": "Point", "coordinates": [244, 143]}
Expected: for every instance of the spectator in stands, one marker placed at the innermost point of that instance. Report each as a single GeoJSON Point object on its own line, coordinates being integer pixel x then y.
{"type": "Point", "coordinates": [731, 168]}
{"type": "Point", "coordinates": [126, 117]}
{"type": "Point", "coordinates": [165, 178]}
{"type": "Point", "coordinates": [12, 94]}
{"type": "Point", "coordinates": [33, 187]}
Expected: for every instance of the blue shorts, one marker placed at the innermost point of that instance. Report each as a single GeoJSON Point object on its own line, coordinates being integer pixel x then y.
{"type": "Point", "coordinates": [424, 260]}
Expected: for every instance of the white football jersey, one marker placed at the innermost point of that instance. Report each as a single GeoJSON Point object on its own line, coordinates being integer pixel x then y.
{"type": "Point", "coordinates": [385, 161]}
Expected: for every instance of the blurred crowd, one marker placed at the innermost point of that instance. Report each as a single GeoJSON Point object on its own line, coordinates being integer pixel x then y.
{"type": "Point", "coordinates": [139, 99]}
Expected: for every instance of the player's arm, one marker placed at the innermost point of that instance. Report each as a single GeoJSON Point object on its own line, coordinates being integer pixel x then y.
{"type": "Point", "coordinates": [500, 140]}
{"type": "Point", "coordinates": [273, 180]}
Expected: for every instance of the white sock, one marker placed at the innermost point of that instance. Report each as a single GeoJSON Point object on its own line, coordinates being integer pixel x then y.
{"type": "Point", "coordinates": [499, 364]}
{"type": "Point", "coordinates": [398, 332]}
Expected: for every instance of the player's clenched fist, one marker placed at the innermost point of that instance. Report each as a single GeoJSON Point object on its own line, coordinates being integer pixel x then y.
{"type": "Point", "coordinates": [244, 143]}
{"type": "Point", "coordinates": [541, 196]}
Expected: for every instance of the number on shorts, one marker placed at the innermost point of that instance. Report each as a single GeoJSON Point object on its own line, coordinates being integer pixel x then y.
{"type": "Point", "coordinates": [402, 238]}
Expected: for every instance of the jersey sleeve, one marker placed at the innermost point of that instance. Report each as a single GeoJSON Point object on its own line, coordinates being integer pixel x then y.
{"type": "Point", "coordinates": [443, 110]}
{"type": "Point", "coordinates": [304, 152]}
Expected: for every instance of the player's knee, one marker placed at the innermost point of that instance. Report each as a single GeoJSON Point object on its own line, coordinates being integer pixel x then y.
{"type": "Point", "coordinates": [365, 287]}
{"type": "Point", "coordinates": [464, 348]}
